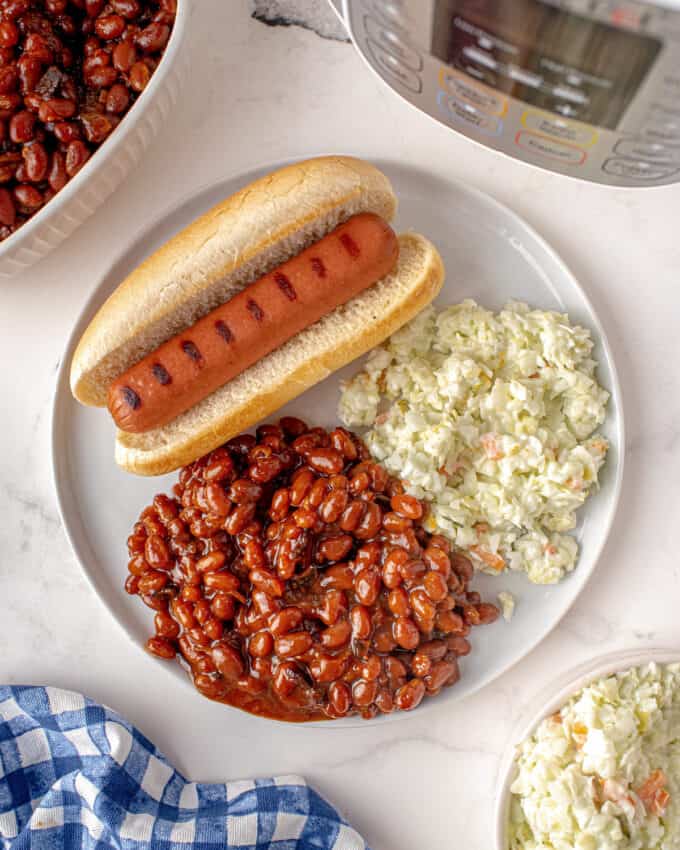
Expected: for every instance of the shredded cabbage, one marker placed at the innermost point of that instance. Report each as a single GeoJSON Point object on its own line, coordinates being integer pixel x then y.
{"type": "Point", "coordinates": [604, 772]}
{"type": "Point", "coordinates": [507, 603]}
{"type": "Point", "coordinates": [492, 419]}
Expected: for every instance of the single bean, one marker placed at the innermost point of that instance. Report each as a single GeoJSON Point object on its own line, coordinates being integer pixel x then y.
{"type": "Point", "coordinates": [442, 673]}
{"type": "Point", "coordinates": [336, 635]}
{"type": "Point", "coordinates": [410, 695]}
{"type": "Point", "coordinates": [339, 698]}
{"type": "Point", "coordinates": [212, 562]}
{"type": "Point", "coordinates": [7, 209]}
{"type": "Point", "coordinates": [363, 693]}
{"type": "Point", "coordinates": [109, 27]}
{"type": "Point", "coordinates": [328, 668]}
{"type": "Point", "coordinates": [166, 627]}
{"type": "Point", "coordinates": [293, 644]}
{"type": "Point", "coordinates": [406, 506]}
{"type": "Point", "coordinates": [223, 606]}
{"type": "Point", "coordinates": [261, 644]}
{"type": "Point", "coordinates": [286, 620]}
{"type": "Point", "coordinates": [225, 581]}
{"type": "Point", "coordinates": [335, 548]}
{"type": "Point", "coordinates": [333, 505]}
{"type": "Point", "coordinates": [406, 633]}
{"type": "Point", "coordinates": [239, 518]}
{"type": "Point", "coordinates": [435, 585]}
{"type": "Point", "coordinates": [267, 581]}
{"type": "Point", "coordinates": [339, 576]}
{"type": "Point", "coordinates": [161, 647]}
{"type": "Point", "coordinates": [333, 607]}
{"type": "Point", "coordinates": [360, 618]}
{"type": "Point", "coordinates": [228, 661]}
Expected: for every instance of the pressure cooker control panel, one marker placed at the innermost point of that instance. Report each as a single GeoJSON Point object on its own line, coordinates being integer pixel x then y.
{"type": "Point", "coordinates": [589, 88]}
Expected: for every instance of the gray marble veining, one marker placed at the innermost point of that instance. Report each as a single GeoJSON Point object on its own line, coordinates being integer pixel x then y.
{"type": "Point", "coordinates": [315, 15]}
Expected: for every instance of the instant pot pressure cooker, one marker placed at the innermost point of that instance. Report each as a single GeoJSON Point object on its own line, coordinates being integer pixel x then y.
{"type": "Point", "coordinates": [588, 88]}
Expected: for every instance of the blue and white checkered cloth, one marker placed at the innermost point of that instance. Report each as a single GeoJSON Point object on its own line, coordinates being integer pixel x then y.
{"type": "Point", "coordinates": [74, 774]}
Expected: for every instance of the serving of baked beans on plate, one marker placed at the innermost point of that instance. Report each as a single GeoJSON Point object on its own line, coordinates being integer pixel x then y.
{"type": "Point", "coordinates": [293, 578]}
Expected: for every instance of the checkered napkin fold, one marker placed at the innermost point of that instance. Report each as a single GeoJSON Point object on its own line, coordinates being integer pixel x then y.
{"type": "Point", "coordinates": [74, 774]}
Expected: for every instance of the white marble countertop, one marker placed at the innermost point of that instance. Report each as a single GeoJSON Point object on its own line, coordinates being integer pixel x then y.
{"type": "Point", "coordinates": [259, 93]}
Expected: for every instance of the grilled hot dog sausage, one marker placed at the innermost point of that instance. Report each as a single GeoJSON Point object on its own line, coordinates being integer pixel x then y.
{"type": "Point", "coordinates": [259, 319]}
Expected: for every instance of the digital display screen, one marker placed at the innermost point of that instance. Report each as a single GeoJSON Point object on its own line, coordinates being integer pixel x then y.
{"type": "Point", "coordinates": [545, 56]}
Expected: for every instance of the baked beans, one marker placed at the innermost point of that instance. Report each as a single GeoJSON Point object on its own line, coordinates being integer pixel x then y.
{"type": "Point", "coordinates": [294, 579]}
{"type": "Point", "coordinates": [69, 71]}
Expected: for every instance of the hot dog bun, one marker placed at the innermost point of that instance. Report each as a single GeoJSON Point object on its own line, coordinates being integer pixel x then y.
{"type": "Point", "coordinates": [245, 237]}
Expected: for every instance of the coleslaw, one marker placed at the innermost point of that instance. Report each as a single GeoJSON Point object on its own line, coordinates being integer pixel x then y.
{"type": "Point", "coordinates": [492, 418]}
{"type": "Point", "coordinates": [604, 772]}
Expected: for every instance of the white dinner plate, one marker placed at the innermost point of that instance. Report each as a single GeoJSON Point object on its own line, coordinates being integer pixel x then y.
{"type": "Point", "coordinates": [492, 256]}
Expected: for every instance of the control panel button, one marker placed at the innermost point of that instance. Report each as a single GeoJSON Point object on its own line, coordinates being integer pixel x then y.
{"type": "Point", "coordinates": [571, 94]}
{"type": "Point", "coordinates": [481, 57]}
{"type": "Point", "coordinates": [485, 39]}
{"type": "Point", "coordinates": [550, 148]}
{"type": "Point", "coordinates": [644, 171]}
{"type": "Point", "coordinates": [465, 113]}
{"type": "Point", "coordinates": [557, 128]}
{"type": "Point", "coordinates": [394, 44]}
{"type": "Point", "coordinates": [393, 67]}
{"type": "Point", "coordinates": [647, 151]}
{"type": "Point", "coordinates": [526, 78]}
{"type": "Point", "coordinates": [478, 74]}
{"type": "Point", "coordinates": [482, 98]}
{"type": "Point", "coordinates": [567, 110]}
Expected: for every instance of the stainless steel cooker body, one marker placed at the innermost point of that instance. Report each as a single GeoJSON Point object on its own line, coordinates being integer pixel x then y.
{"type": "Point", "coordinates": [586, 88]}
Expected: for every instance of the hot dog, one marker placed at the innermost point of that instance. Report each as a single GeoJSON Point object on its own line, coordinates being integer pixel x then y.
{"type": "Point", "coordinates": [263, 296]}
{"type": "Point", "coordinates": [267, 313]}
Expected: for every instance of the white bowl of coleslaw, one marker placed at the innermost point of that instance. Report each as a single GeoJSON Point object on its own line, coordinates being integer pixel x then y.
{"type": "Point", "coordinates": [538, 779]}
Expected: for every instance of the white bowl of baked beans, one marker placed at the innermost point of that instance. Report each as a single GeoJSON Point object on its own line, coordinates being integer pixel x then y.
{"type": "Point", "coordinates": [85, 86]}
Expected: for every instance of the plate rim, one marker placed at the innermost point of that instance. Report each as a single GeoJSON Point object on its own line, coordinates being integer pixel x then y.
{"type": "Point", "coordinates": [247, 173]}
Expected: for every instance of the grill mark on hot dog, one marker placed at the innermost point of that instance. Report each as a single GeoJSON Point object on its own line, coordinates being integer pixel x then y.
{"type": "Point", "coordinates": [349, 245]}
{"type": "Point", "coordinates": [285, 286]}
{"type": "Point", "coordinates": [161, 374]}
{"type": "Point", "coordinates": [191, 351]}
{"type": "Point", "coordinates": [318, 266]}
{"type": "Point", "coordinates": [255, 310]}
{"type": "Point", "coordinates": [131, 398]}
{"type": "Point", "coordinates": [224, 330]}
